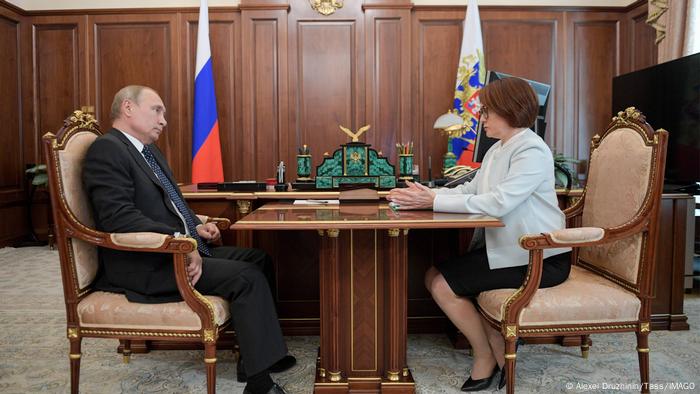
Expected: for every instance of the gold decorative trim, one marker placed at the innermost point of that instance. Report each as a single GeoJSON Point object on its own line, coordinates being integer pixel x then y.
{"type": "Point", "coordinates": [78, 120]}
{"type": "Point", "coordinates": [643, 350]}
{"type": "Point", "coordinates": [327, 7]}
{"type": "Point", "coordinates": [334, 376]}
{"type": "Point", "coordinates": [584, 353]}
{"type": "Point", "coordinates": [404, 372]}
{"type": "Point", "coordinates": [511, 330]}
{"type": "Point", "coordinates": [322, 372]}
{"type": "Point", "coordinates": [126, 358]}
{"type": "Point", "coordinates": [72, 332]}
{"type": "Point", "coordinates": [644, 327]}
{"type": "Point", "coordinates": [574, 329]}
{"type": "Point", "coordinates": [405, 231]}
{"type": "Point", "coordinates": [393, 232]}
{"type": "Point", "coordinates": [321, 232]}
{"type": "Point", "coordinates": [393, 376]}
{"type": "Point", "coordinates": [510, 356]}
{"type": "Point", "coordinates": [628, 114]}
{"type": "Point", "coordinates": [209, 335]}
{"type": "Point", "coordinates": [140, 333]}
{"type": "Point", "coordinates": [210, 360]}
{"type": "Point", "coordinates": [373, 221]}
{"type": "Point", "coordinates": [333, 232]}
{"type": "Point", "coordinates": [243, 206]}
{"type": "Point", "coordinates": [74, 356]}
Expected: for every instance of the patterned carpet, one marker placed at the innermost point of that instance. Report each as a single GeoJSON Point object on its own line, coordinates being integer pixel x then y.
{"type": "Point", "coordinates": [34, 350]}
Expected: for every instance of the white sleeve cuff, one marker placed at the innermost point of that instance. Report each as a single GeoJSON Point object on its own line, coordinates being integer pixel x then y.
{"type": "Point", "coordinates": [454, 203]}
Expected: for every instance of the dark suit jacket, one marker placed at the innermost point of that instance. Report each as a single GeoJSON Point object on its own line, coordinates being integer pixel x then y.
{"type": "Point", "coordinates": [126, 197]}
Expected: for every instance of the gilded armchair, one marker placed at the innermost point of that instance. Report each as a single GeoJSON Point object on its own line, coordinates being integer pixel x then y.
{"type": "Point", "coordinates": [611, 284]}
{"type": "Point", "coordinates": [100, 314]}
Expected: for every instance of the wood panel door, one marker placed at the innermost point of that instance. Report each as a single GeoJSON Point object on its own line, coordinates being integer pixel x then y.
{"type": "Point", "coordinates": [594, 59]}
{"type": "Point", "coordinates": [139, 49]}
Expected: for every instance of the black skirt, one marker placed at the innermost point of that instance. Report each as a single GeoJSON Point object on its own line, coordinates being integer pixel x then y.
{"type": "Point", "coordinates": [470, 274]}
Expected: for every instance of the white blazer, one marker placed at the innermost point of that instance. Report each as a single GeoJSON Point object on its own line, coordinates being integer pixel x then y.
{"type": "Point", "coordinates": [516, 185]}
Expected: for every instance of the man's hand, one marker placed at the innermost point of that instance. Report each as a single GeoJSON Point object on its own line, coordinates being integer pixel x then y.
{"type": "Point", "coordinates": [415, 196]}
{"type": "Point", "coordinates": [194, 266]}
{"type": "Point", "coordinates": [209, 232]}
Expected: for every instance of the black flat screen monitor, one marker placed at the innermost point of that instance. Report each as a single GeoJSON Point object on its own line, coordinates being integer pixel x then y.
{"type": "Point", "coordinates": [668, 94]}
{"type": "Point", "coordinates": [483, 143]}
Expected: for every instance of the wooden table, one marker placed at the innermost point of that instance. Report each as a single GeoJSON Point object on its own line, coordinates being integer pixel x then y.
{"type": "Point", "coordinates": [363, 286]}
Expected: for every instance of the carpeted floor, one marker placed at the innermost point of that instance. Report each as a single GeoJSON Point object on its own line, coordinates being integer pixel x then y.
{"type": "Point", "coordinates": [34, 352]}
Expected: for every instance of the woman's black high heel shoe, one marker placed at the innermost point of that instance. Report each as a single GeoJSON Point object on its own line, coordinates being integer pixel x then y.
{"type": "Point", "coordinates": [502, 381]}
{"type": "Point", "coordinates": [480, 384]}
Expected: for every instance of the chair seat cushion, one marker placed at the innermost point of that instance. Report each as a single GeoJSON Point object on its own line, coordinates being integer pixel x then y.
{"type": "Point", "coordinates": [102, 309]}
{"type": "Point", "coordinates": [584, 298]}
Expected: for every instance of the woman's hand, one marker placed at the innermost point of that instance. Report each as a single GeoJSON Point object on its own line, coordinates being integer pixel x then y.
{"type": "Point", "coordinates": [415, 196]}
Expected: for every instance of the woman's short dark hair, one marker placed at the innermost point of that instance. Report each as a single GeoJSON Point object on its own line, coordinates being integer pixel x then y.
{"type": "Point", "coordinates": [512, 99]}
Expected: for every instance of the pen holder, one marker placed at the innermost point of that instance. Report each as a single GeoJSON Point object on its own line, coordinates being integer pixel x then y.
{"type": "Point", "coordinates": [406, 166]}
{"type": "Point", "coordinates": [303, 167]}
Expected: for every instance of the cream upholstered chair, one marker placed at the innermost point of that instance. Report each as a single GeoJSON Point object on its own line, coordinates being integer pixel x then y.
{"type": "Point", "coordinates": [100, 314]}
{"type": "Point", "coordinates": [611, 284]}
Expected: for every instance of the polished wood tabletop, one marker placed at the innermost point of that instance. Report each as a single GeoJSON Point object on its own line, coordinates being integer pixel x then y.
{"type": "Point", "coordinates": [287, 216]}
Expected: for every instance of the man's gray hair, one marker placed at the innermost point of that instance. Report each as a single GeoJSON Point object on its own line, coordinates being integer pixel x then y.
{"type": "Point", "coordinates": [131, 92]}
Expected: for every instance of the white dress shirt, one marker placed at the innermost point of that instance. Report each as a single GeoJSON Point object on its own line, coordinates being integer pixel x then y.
{"type": "Point", "coordinates": [516, 185]}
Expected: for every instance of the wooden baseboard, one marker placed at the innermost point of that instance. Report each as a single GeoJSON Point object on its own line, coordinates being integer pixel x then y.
{"type": "Point", "coordinates": [669, 322]}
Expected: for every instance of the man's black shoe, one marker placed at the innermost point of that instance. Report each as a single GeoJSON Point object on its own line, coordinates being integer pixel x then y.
{"type": "Point", "coordinates": [275, 389]}
{"type": "Point", "coordinates": [282, 365]}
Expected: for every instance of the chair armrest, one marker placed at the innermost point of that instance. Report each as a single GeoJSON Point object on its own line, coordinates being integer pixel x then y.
{"type": "Point", "coordinates": [139, 240]}
{"type": "Point", "coordinates": [179, 247]}
{"type": "Point", "coordinates": [136, 241]}
{"type": "Point", "coordinates": [536, 243]}
{"type": "Point", "coordinates": [568, 237]}
{"type": "Point", "coordinates": [221, 223]}
{"type": "Point", "coordinates": [156, 242]}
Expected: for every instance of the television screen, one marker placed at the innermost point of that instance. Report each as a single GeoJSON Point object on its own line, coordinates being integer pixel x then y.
{"type": "Point", "coordinates": [668, 94]}
{"type": "Point", "coordinates": [483, 143]}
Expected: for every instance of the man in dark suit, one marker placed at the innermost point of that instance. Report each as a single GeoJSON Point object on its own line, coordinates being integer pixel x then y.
{"type": "Point", "coordinates": [132, 189]}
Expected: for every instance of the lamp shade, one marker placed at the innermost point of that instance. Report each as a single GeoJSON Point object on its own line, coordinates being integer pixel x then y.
{"type": "Point", "coordinates": [449, 121]}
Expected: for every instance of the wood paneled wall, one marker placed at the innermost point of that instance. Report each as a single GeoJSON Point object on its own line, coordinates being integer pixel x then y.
{"type": "Point", "coordinates": [286, 76]}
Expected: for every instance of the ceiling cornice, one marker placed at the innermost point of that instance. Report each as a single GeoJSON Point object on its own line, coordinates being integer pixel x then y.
{"type": "Point", "coordinates": [53, 5]}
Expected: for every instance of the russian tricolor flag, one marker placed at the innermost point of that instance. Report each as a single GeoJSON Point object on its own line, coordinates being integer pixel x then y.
{"type": "Point", "coordinates": [206, 147]}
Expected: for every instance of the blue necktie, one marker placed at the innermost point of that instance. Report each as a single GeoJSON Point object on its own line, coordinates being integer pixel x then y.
{"type": "Point", "coordinates": [175, 197]}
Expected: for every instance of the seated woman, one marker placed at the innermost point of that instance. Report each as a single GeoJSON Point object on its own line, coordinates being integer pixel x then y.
{"type": "Point", "coordinates": [514, 184]}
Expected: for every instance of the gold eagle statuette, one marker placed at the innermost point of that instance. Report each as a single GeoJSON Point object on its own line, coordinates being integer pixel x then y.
{"type": "Point", "coordinates": [355, 136]}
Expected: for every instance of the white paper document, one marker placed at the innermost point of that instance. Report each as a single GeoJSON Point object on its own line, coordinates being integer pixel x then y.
{"type": "Point", "coordinates": [316, 202]}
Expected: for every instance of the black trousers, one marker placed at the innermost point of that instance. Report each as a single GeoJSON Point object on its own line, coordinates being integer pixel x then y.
{"type": "Point", "coordinates": [237, 274]}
